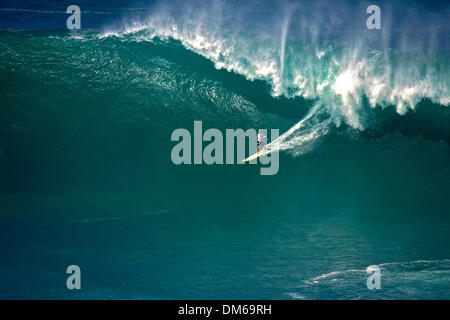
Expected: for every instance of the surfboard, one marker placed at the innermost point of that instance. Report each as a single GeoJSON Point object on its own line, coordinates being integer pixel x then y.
{"type": "Point", "coordinates": [266, 150]}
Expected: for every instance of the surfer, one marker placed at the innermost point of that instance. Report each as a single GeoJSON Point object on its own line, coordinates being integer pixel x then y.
{"type": "Point", "coordinates": [261, 137]}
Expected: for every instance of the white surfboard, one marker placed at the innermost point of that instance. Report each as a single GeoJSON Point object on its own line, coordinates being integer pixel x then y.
{"type": "Point", "coordinates": [266, 150]}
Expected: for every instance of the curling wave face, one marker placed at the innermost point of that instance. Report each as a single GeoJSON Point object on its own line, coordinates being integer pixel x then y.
{"type": "Point", "coordinates": [308, 51]}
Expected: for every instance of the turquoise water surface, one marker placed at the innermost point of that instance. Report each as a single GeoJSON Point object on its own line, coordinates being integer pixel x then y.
{"type": "Point", "coordinates": [86, 176]}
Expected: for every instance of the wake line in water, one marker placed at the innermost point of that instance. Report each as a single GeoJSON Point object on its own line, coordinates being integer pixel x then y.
{"type": "Point", "coordinates": [305, 131]}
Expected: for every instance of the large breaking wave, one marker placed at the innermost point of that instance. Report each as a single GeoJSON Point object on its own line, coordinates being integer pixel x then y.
{"type": "Point", "coordinates": [307, 50]}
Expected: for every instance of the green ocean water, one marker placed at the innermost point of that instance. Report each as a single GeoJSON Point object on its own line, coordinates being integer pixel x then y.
{"type": "Point", "coordinates": [86, 176]}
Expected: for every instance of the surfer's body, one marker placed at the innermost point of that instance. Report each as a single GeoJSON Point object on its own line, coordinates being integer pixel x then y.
{"type": "Point", "coordinates": [265, 148]}
{"type": "Point", "coordinates": [261, 137]}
